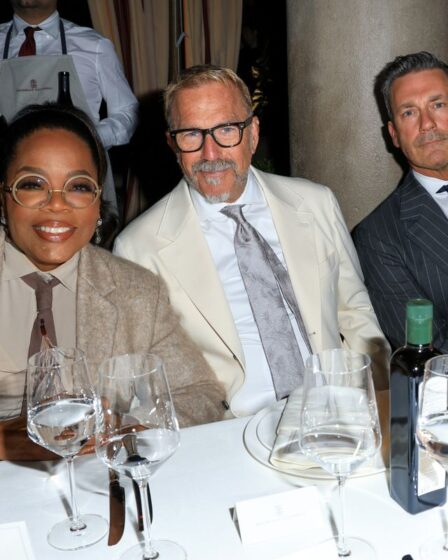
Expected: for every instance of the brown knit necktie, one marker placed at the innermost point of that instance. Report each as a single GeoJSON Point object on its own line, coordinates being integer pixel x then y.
{"type": "Point", "coordinates": [44, 322]}
{"type": "Point", "coordinates": [28, 47]}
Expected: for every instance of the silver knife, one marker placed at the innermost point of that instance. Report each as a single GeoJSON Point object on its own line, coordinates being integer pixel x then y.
{"type": "Point", "coordinates": [117, 508]}
{"type": "Point", "coordinates": [129, 441]}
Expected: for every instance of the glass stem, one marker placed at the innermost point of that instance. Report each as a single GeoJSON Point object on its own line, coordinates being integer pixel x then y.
{"type": "Point", "coordinates": [343, 550]}
{"type": "Point", "coordinates": [76, 523]}
{"type": "Point", "coordinates": [445, 537]}
{"type": "Point", "coordinates": [148, 553]}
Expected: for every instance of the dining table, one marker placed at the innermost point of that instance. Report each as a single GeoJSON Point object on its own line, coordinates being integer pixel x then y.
{"type": "Point", "coordinates": [194, 495]}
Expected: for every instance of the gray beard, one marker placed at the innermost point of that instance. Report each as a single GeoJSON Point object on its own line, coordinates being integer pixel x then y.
{"type": "Point", "coordinates": [215, 166]}
{"type": "Point", "coordinates": [216, 199]}
{"type": "Point", "coordinates": [212, 198]}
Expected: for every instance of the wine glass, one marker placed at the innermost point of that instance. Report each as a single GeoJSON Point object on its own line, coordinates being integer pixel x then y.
{"type": "Point", "coordinates": [61, 418]}
{"type": "Point", "coordinates": [137, 432]}
{"type": "Point", "coordinates": [339, 425]}
{"type": "Point", "coordinates": [432, 435]}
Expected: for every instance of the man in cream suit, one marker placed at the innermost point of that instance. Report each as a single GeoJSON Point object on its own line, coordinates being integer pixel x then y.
{"type": "Point", "coordinates": [188, 240]}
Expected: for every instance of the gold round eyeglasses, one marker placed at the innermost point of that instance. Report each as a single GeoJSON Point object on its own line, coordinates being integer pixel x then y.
{"type": "Point", "coordinates": [34, 191]}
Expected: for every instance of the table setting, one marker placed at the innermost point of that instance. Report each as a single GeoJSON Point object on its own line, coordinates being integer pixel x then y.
{"type": "Point", "coordinates": [230, 489]}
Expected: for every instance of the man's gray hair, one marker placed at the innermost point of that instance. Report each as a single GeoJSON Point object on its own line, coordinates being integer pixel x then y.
{"type": "Point", "coordinates": [196, 76]}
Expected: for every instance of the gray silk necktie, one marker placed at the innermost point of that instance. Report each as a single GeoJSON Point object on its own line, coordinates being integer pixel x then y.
{"type": "Point", "coordinates": [266, 280]}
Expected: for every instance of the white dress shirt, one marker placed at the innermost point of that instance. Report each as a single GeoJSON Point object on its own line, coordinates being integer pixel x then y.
{"type": "Point", "coordinates": [98, 67]}
{"type": "Point", "coordinates": [432, 185]}
{"type": "Point", "coordinates": [219, 231]}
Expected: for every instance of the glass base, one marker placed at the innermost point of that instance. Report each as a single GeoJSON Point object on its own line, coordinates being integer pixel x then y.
{"type": "Point", "coordinates": [434, 549]}
{"type": "Point", "coordinates": [359, 549]}
{"type": "Point", "coordinates": [165, 550]}
{"type": "Point", "coordinates": [63, 538]}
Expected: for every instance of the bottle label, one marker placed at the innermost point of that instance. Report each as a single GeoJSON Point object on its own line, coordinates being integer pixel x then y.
{"type": "Point", "coordinates": [431, 475]}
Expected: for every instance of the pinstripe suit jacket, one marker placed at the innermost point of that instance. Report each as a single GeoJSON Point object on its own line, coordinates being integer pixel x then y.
{"type": "Point", "coordinates": [403, 249]}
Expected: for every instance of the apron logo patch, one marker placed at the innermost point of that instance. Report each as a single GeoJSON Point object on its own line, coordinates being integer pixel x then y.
{"type": "Point", "coordinates": [34, 87]}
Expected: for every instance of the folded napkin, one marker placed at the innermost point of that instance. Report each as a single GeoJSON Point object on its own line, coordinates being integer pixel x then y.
{"type": "Point", "coordinates": [286, 454]}
{"type": "Point", "coordinates": [15, 541]}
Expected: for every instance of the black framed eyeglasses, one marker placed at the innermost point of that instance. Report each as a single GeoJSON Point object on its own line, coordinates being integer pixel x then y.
{"type": "Point", "coordinates": [226, 135]}
{"type": "Point", "coordinates": [33, 191]}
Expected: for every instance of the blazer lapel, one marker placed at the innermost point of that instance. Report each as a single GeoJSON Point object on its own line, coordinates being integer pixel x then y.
{"type": "Point", "coordinates": [2, 247]}
{"type": "Point", "coordinates": [295, 230]}
{"type": "Point", "coordinates": [94, 309]}
{"type": "Point", "coordinates": [188, 258]}
{"type": "Point", "coordinates": [424, 221]}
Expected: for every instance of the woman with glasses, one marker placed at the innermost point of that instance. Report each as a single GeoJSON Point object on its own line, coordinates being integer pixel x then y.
{"type": "Point", "coordinates": [52, 167]}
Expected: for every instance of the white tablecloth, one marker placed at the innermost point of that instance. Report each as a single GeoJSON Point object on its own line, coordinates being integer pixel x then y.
{"type": "Point", "coordinates": [193, 495]}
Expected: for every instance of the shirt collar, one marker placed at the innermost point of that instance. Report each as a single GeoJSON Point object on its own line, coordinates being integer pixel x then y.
{"type": "Point", "coordinates": [431, 184]}
{"type": "Point", "coordinates": [16, 264]}
{"type": "Point", "coordinates": [49, 25]}
{"type": "Point", "coordinates": [251, 196]}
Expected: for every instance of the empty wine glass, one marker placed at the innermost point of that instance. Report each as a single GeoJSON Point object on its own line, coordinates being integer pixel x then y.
{"type": "Point", "coordinates": [137, 432]}
{"type": "Point", "coordinates": [432, 435]}
{"type": "Point", "coordinates": [339, 425]}
{"type": "Point", "coordinates": [61, 418]}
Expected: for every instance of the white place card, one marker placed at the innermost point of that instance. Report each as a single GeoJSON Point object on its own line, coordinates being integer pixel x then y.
{"type": "Point", "coordinates": [293, 513]}
{"type": "Point", "coordinates": [15, 542]}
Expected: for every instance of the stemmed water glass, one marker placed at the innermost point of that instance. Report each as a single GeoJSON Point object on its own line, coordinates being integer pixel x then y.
{"type": "Point", "coordinates": [339, 425]}
{"type": "Point", "coordinates": [137, 432]}
{"type": "Point", "coordinates": [61, 418]}
{"type": "Point", "coordinates": [432, 434]}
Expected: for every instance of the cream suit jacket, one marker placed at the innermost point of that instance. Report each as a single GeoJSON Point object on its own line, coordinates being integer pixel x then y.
{"type": "Point", "coordinates": [122, 308]}
{"type": "Point", "coordinates": [321, 260]}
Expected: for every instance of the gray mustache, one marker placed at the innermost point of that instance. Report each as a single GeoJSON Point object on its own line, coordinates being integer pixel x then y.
{"type": "Point", "coordinates": [430, 137]}
{"type": "Point", "coordinates": [211, 166]}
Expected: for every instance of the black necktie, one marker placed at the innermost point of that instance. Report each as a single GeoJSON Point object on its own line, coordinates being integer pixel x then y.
{"type": "Point", "coordinates": [442, 189]}
{"type": "Point", "coordinates": [28, 47]}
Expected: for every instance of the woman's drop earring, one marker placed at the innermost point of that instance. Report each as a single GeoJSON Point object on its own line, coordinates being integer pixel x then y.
{"type": "Point", "coordinates": [97, 238]}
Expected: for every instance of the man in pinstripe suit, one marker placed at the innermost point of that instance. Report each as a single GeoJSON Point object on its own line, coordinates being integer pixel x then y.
{"type": "Point", "coordinates": [403, 244]}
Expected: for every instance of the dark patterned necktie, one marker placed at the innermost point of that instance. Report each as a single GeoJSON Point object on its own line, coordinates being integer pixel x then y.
{"type": "Point", "coordinates": [442, 189]}
{"type": "Point", "coordinates": [28, 47]}
{"type": "Point", "coordinates": [268, 286]}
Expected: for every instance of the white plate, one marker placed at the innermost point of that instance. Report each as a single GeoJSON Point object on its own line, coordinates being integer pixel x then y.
{"type": "Point", "coordinates": [259, 437]}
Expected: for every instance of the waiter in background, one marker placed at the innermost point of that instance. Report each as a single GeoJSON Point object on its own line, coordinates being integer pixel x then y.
{"type": "Point", "coordinates": [60, 45]}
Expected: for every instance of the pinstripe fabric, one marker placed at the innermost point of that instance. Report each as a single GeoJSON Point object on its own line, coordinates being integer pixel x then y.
{"type": "Point", "coordinates": [403, 250]}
